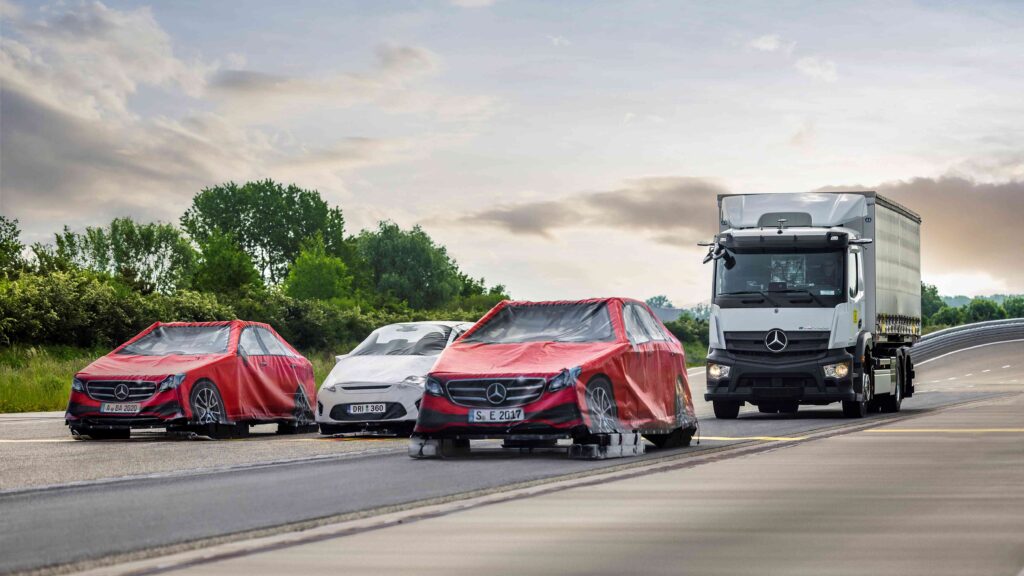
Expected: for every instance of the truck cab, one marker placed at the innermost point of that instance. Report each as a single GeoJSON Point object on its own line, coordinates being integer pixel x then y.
{"type": "Point", "coordinates": [804, 310]}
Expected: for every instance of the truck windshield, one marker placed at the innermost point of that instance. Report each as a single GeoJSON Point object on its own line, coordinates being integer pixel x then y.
{"type": "Point", "coordinates": [780, 279]}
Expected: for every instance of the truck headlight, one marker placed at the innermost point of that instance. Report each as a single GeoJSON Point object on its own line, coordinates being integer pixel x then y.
{"type": "Point", "coordinates": [171, 382]}
{"type": "Point", "coordinates": [420, 381]}
{"type": "Point", "coordinates": [839, 370]}
{"type": "Point", "coordinates": [433, 387]}
{"type": "Point", "coordinates": [564, 379]}
{"type": "Point", "coordinates": [77, 385]}
{"type": "Point", "coordinates": [717, 371]}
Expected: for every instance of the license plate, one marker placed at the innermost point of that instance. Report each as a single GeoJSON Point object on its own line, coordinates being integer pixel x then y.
{"type": "Point", "coordinates": [120, 408]}
{"type": "Point", "coordinates": [496, 415]}
{"type": "Point", "coordinates": [367, 409]}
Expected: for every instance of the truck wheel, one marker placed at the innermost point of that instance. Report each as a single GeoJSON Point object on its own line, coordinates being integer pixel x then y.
{"type": "Point", "coordinates": [725, 410]}
{"type": "Point", "coordinates": [789, 408]}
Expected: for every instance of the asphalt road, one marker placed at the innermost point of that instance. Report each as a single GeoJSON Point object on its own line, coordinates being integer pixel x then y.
{"type": "Point", "coordinates": [58, 525]}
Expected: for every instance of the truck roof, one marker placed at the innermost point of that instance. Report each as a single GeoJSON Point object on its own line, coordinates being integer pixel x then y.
{"type": "Point", "coordinates": [878, 198]}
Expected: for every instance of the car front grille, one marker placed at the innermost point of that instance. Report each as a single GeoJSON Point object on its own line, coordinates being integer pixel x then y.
{"type": "Point", "coordinates": [473, 393]}
{"type": "Point", "coordinates": [104, 390]}
{"type": "Point", "coordinates": [801, 343]}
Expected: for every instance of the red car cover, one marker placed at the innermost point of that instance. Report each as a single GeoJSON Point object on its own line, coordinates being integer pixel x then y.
{"type": "Point", "coordinates": [558, 361]}
{"type": "Point", "coordinates": [151, 383]}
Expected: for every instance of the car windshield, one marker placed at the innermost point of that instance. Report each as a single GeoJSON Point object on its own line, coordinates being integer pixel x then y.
{"type": "Point", "coordinates": [405, 340]}
{"type": "Point", "coordinates": [180, 341]}
{"type": "Point", "coordinates": [547, 323]}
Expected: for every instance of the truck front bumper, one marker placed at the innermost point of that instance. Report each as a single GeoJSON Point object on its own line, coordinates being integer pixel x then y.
{"type": "Point", "coordinates": [781, 378]}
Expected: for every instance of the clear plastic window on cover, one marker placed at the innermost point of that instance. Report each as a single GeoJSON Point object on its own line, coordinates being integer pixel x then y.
{"type": "Point", "coordinates": [180, 341]}
{"type": "Point", "coordinates": [589, 322]}
{"type": "Point", "coordinates": [405, 340]}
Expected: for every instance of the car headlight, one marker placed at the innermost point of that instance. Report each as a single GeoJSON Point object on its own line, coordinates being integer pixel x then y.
{"type": "Point", "coordinates": [171, 382]}
{"type": "Point", "coordinates": [420, 381]}
{"type": "Point", "coordinates": [564, 379]}
{"type": "Point", "coordinates": [717, 371]}
{"type": "Point", "coordinates": [330, 387]}
{"type": "Point", "coordinates": [839, 370]}
{"type": "Point", "coordinates": [433, 387]}
{"type": "Point", "coordinates": [77, 385]}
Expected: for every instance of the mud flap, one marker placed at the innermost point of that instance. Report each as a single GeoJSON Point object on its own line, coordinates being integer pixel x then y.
{"type": "Point", "coordinates": [603, 446]}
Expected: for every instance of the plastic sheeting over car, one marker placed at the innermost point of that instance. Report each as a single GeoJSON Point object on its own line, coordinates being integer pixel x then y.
{"type": "Point", "coordinates": [153, 379]}
{"type": "Point", "coordinates": [562, 368]}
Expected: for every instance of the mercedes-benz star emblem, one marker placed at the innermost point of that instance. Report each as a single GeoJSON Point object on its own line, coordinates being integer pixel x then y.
{"type": "Point", "coordinates": [496, 393]}
{"type": "Point", "coordinates": [121, 391]}
{"type": "Point", "coordinates": [776, 340]}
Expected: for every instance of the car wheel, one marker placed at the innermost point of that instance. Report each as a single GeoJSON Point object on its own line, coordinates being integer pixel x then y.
{"type": "Point", "coordinates": [604, 414]}
{"type": "Point", "coordinates": [725, 410]}
{"type": "Point", "coordinates": [209, 415]}
{"type": "Point", "coordinates": [302, 416]}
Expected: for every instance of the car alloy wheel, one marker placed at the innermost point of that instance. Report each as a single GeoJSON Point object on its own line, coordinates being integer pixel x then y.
{"type": "Point", "coordinates": [601, 405]}
{"type": "Point", "coordinates": [207, 406]}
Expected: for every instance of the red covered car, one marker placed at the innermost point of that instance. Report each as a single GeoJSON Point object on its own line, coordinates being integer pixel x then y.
{"type": "Point", "coordinates": [214, 378]}
{"type": "Point", "coordinates": [548, 370]}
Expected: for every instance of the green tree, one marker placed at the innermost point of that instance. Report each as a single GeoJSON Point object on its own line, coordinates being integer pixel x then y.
{"type": "Point", "coordinates": [659, 301]}
{"type": "Point", "coordinates": [268, 220]}
{"type": "Point", "coordinates": [316, 275]}
{"type": "Point", "coordinates": [1014, 306]}
{"type": "Point", "coordinates": [930, 300]}
{"type": "Point", "coordinates": [409, 266]}
{"type": "Point", "coordinates": [224, 268]}
{"type": "Point", "coordinates": [11, 261]}
{"type": "Point", "coordinates": [947, 316]}
{"type": "Point", "coordinates": [149, 257]}
{"type": "Point", "coordinates": [983, 309]}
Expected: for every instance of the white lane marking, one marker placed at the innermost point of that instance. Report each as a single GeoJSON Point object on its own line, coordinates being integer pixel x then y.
{"type": "Point", "coordinates": [971, 348]}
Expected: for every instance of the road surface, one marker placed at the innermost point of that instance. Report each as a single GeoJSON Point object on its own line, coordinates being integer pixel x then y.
{"type": "Point", "coordinates": [198, 491]}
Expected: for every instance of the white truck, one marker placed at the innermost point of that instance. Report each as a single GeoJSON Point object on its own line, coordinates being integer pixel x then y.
{"type": "Point", "coordinates": [816, 299]}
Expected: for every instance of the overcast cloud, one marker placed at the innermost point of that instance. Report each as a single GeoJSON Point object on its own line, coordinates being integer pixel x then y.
{"type": "Point", "coordinates": [561, 160]}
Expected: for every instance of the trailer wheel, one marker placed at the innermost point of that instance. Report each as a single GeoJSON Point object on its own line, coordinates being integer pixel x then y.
{"type": "Point", "coordinates": [725, 410]}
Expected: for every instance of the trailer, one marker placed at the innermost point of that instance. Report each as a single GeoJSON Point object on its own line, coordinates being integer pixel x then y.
{"type": "Point", "coordinates": [816, 298]}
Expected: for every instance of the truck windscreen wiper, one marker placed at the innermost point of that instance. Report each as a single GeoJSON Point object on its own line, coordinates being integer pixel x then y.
{"type": "Point", "coordinates": [760, 293]}
{"type": "Point", "coordinates": [802, 291]}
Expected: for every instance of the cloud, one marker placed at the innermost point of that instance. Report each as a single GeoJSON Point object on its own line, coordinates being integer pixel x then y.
{"type": "Point", "coordinates": [558, 41]}
{"type": "Point", "coordinates": [771, 43]}
{"type": "Point", "coordinates": [472, 3]}
{"type": "Point", "coordinates": [818, 68]}
{"type": "Point", "coordinates": [805, 135]}
{"type": "Point", "coordinates": [671, 210]}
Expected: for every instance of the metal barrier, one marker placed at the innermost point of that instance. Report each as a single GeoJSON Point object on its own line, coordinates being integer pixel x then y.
{"type": "Point", "coordinates": [959, 337]}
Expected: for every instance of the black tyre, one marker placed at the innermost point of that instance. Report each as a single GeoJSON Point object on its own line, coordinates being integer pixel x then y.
{"type": "Point", "coordinates": [303, 420]}
{"type": "Point", "coordinates": [209, 416]}
{"type": "Point", "coordinates": [725, 410]}
{"type": "Point", "coordinates": [860, 408]}
{"type": "Point", "coordinates": [604, 413]}
{"type": "Point", "coordinates": [855, 409]}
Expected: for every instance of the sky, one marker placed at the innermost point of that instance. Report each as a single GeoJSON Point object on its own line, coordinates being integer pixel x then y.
{"type": "Point", "coordinates": [564, 149]}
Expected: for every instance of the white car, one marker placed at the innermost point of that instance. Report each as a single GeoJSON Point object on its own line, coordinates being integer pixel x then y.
{"type": "Point", "coordinates": [379, 384]}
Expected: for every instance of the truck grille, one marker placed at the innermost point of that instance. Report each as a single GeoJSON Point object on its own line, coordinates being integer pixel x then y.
{"type": "Point", "coordinates": [801, 343]}
{"type": "Point", "coordinates": [104, 390]}
{"type": "Point", "coordinates": [473, 393]}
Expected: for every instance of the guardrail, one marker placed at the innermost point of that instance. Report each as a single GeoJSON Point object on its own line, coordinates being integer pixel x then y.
{"type": "Point", "coordinates": [958, 337]}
